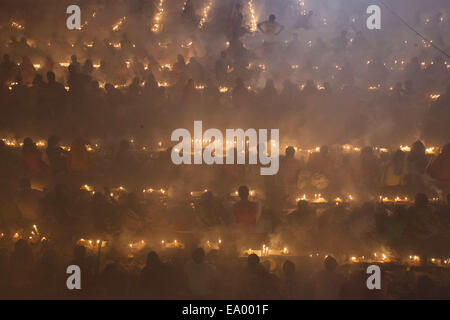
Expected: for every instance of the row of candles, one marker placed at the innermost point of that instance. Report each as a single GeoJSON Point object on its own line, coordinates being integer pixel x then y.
{"type": "Point", "coordinates": [411, 259]}
{"type": "Point", "coordinates": [266, 251]}
{"type": "Point", "coordinates": [380, 257]}
{"type": "Point", "coordinates": [316, 198]}
{"type": "Point", "coordinates": [251, 66]}
{"type": "Point", "coordinates": [222, 89]}
{"type": "Point", "coordinates": [156, 191]}
{"type": "Point", "coordinates": [134, 247]}
{"type": "Point", "coordinates": [41, 143]}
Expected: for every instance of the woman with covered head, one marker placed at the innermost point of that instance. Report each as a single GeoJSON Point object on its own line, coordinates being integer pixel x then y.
{"type": "Point", "coordinates": [32, 157]}
{"type": "Point", "coordinates": [439, 169]}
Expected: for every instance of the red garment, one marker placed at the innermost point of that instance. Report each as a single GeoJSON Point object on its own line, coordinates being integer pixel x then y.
{"type": "Point", "coordinates": [33, 161]}
{"type": "Point", "coordinates": [440, 168]}
{"type": "Point", "coordinates": [245, 213]}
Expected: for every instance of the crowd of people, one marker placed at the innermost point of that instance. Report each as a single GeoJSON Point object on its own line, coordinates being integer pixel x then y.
{"type": "Point", "coordinates": [87, 116]}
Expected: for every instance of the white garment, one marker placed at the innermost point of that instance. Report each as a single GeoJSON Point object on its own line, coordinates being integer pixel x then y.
{"type": "Point", "coordinates": [270, 29]}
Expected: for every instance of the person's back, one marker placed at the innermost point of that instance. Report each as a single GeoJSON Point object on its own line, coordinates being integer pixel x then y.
{"type": "Point", "coordinates": [28, 201]}
{"type": "Point", "coordinates": [56, 155]}
{"type": "Point", "coordinates": [328, 282]}
{"type": "Point", "coordinates": [79, 157]}
{"type": "Point", "coordinates": [32, 156]}
{"type": "Point", "coordinates": [240, 95]}
{"type": "Point", "coordinates": [270, 28]}
{"type": "Point", "coordinates": [289, 170]}
{"type": "Point", "coordinates": [245, 211]}
{"type": "Point", "coordinates": [394, 172]}
{"type": "Point", "coordinates": [320, 161]}
{"type": "Point", "coordinates": [21, 267]}
{"type": "Point", "coordinates": [292, 285]}
{"type": "Point", "coordinates": [255, 282]}
{"type": "Point", "coordinates": [154, 278]}
{"type": "Point", "coordinates": [439, 169]}
{"type": "Point", "coordinates": [202, 276]}
{"type": "Point", "coordinates": [303, 216]}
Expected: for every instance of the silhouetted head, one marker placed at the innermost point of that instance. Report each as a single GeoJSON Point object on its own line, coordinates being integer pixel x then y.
{"type": "Point", "coordinates": [79, 252]}
{"type": "Point", "coordinates": [243, 192]}
{"type": "Point", "coordinates": [399, 155]}
{"type": "Point", "coordinates": [53, 141]}
{"type": "Point", "coordinates": [180, 58]}
{"type": "Point", "coordinates": [253, 260]}
{"type": "Point", "coordinates": [198, 255]}
{"type": "Point", "coordinates": [446, 149]}
{"type": "Point", "coordinates": [50, 77]}
{"type": "Point", "coordinates": [269, 83]}
{"type": "Point", "coordinates": [207, 196]}
{"type": "Point", "coordinates": [418, 148]}
{"type": "Point", "coordinates": [153, 259]}
{"type": "Point", "coordinates": [272, 18]}
{"type": "Point", "coordinates": [290, 152]}
{"type": "Point", "coordinates": [28, 144]}
{"type": "Point", "coordinates": [366, 152]}
{"type": "Point", "coordinates": [330, 264]}
{"type": "Point", "coordinates": [421, 200]}
{"type": "Point", "coordinates": [302, 205]}
{"type": "Point", "coordinates": [324, 150]}
{"type": "Point", "coordinates": [22, 247]}
{"type": "Point", "coordinates": [288, 268]}
{"type": "Point", "coordinates": [109, 87]}
{"type": "Point", "coordinates": [37, 80]}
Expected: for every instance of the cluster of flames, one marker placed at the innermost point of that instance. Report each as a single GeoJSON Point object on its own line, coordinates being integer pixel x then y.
{"type": "Point", "coordinates": [92, 244]}
{"type": "Point", "coordinates": [175, 244]}
{"type": "Point", "coordinates": [396, 199]}
{"type": "Point", "coordinates": [17, 25]}
{"type": "Point", "coordinates": [205, 13]}
{"type": "Point", "coordinates": [41, 143]}
{"type": "Point", "coordinates": [34, 236]}
{"type": "Point", "coordinates": [266, 251]}
{"type": "Point", "coordinates": [301, 4]}
{"type": "Point", "coordinates": [119, 23]}
{"type": "Point", "coordinates": [318, 198]}
{"type": "Point", "coordinates": [154, 191]}
{"type": "Point", "coordinates": [376, 257]}
{"type": "Point", "coordinates": [252, 14]}
{"type": "Point", "coordinates": [157, 25]}
{"type": "Point", "coordinates": [11, 142]}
